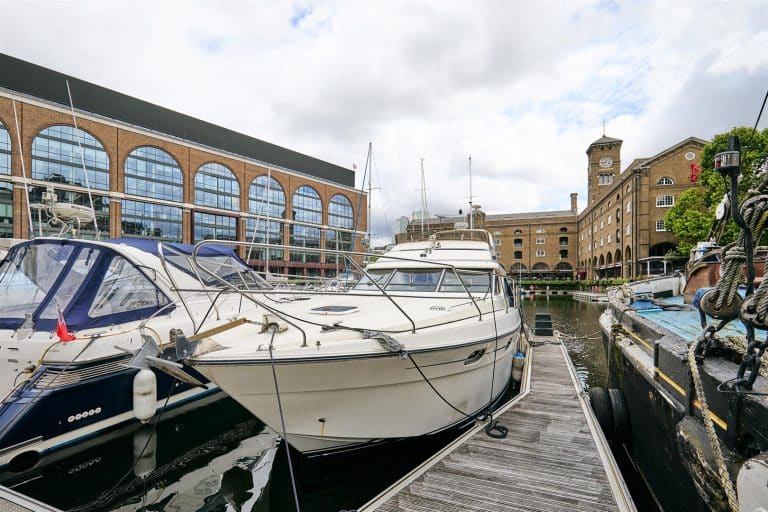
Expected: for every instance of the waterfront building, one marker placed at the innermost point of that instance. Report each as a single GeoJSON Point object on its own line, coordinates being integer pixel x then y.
{"type": "Point", "coordinates": [620, 232]}
{"type": "Point", "coordinates": [158, 174]}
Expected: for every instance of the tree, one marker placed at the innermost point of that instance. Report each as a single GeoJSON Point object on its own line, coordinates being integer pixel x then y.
{"type": "Point", "coordinates": [693, 214]}
{"type": "Point", "coordinates": [754, 159]}
{"type": "Point", "coordinates": [689, 220]}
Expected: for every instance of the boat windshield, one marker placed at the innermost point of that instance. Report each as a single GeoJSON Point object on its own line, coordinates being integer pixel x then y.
{"type": "Point", "coordinates": [475, 281]}
{"type": "Point", "coordinates": [28, 274]}
{"type": "Point", "coordinates": [223, 267]}
{"type": "Point", "coordinates": [89, 285]}
{"type": "Point", "coordinates": [414, 280]}
{"type": "Point", "coordinates": [373, 276]}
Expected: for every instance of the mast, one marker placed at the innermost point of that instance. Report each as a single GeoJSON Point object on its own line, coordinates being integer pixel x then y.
{"type": "Point", "coordinates": [370, 178]}
{"type": "Point", "coordinates": [471, 213]}
{"type": "Point", "coordinates": [423, 197]}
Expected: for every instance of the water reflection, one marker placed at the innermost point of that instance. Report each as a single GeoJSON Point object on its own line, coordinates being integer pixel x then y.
{"type": "Point", "coordinates": [220, 458]}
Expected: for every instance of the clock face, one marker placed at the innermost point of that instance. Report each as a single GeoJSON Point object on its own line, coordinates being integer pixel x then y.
{"type": "Point", "coordinates": [606, 161]}
{"type": "Point", "coordinates": [690, 155]}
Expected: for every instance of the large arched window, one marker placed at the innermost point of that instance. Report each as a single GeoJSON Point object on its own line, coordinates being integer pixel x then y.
{"type": "Point", "coordinates": [152, 173]}
{"type": "Point", "coordinates": [307, 208]}
{"type": "Point", "coordinates": [5, 151]}
{"type": "Point", "coordinates": [56, 157]}
{"type": "Point", "coordinates": [217, 187]}
{"type": "Point", "coordinates": [266, 197]}
{"type": "Point", "coordinates": [340, 215]}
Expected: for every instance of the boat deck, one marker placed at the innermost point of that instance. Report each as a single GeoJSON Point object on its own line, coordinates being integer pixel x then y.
{"type": "Point", "coordinates": [11, 501]}
{"type": "Point", "coordinates": [554, 457]}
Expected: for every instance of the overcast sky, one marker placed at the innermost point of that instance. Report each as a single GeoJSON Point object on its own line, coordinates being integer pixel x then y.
{"type": "Point", "coordinates": [523, 87]}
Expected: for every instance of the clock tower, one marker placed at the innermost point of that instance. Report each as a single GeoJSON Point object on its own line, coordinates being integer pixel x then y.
{"type": "Point", "coordinates": [604, 157]}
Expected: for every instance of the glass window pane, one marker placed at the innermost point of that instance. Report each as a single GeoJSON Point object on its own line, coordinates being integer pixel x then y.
{"type": "Point", "coordinates": [153, 173]}
{"type": "Point", "coordinates": [57, 157]}
{"type": "Point", "coordinates": [217, 187]}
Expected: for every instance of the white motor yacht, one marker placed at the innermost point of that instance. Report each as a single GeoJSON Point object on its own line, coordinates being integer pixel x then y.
{"type": "Point", "coordinates": [423, 342]}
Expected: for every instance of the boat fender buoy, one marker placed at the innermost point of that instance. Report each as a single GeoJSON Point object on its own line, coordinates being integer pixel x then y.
{"type": "Point", "coordinates": [601, 406]}
{"type": "Point", "coordinates": [518, 363]}
{"type": "Point", "coordinates": [144, 395]}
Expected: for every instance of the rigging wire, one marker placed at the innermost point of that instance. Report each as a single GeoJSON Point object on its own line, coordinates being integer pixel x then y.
{"type": "Point", "coordinates": [82, 162]}
{"type": "Point", "coordinates": [273, 328]}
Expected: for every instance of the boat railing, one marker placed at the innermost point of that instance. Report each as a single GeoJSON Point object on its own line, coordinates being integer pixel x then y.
{"type": "Point", "coordinates": [349, 256]}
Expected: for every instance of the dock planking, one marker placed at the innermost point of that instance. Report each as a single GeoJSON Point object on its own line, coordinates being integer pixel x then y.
{"type": "Point", "coordinates": [12, 501]}
{"type": "Point", "coordinates": [554, 457]}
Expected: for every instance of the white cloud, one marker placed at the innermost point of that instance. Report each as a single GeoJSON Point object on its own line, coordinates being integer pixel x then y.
{"type": "Point", "coordinates": [522, 87]}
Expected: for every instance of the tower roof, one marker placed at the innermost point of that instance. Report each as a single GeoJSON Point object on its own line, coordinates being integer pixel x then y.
{"type": "Point", "coordinates": [605, 140]}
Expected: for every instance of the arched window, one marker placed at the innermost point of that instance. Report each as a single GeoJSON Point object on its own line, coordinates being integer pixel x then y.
{"type": "Point", "coordinates": [308, 208]}
{"type": "Point", "coordinates": [152, 173]}
{"type": "Point", "coordinates": [56, 157]}
{"type": "Point", "coordinates": [665, 180]}
{"type": "Point", "coordinates": [217, 187]}
{"type": "Point", "coordinates": [541, 267]}
{"type": "Point", "coordinates": [563, 266]}
{"type": "Point", "coordinates": [516, 267]}
{"type": "Point", "coordinates": [266, 197]}
{"type": "Point", "coordinates": [5, 151]}
{"type": "Point", "coordinates": [518, 232]}
{"type": "Point", "coordinates": [340, 214]}
{"type": "Point", "coordinates": [563, 229]}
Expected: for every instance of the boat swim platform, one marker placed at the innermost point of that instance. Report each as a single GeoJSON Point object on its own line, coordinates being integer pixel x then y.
{"type": "Point", "coordinates": [590, 297]}
{"type": "Point", "coordinates": [12, 501]}
{"type": "Point", "coordinates": [554, 458]}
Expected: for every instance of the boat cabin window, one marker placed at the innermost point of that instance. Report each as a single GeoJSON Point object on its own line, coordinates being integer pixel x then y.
{"type": "Point", "coordinates": [125, 288]}
{"type": "Point", "coordinates": [414, 280]}
{"type": "Point", "coordinates": [377, 276]}
{"type": "Point", "coordinates": [476, 281]}
{"type": "Point", "coordinates": [27, 276]}
{"type": "Point", "coordinates": [74, 278]}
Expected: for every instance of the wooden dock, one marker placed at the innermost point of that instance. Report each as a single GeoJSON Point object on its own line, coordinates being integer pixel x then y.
{"type": "Point", "coordinates": [554, 457]}
{"type": "Point", "coordinates": [12, 501]}
{"type": "Point", "coordinates": [590, 297]}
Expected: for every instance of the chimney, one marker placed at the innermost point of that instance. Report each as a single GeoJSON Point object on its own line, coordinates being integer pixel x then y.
{"type": "Point", "coordinates": [574, 205]}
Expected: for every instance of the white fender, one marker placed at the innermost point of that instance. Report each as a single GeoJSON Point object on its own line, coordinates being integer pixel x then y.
{"type": "Point", "coordinates": [144, 395]}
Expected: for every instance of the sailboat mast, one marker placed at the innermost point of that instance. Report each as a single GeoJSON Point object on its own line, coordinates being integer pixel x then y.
{"type": "Point", "coordinates": [423, 197]}
{"type": "Point", "coordinates": [471, 213]}
{"type": "Point", "coordinates": [370, 177]}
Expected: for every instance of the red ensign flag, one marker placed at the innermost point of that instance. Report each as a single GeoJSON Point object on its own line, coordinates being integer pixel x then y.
{"type": "Point", "coordinates": [61, 329]}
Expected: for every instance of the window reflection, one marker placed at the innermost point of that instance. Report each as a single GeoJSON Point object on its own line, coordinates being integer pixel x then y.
{"type": "Point", "coordinates": [151, 172]}
{"type": "Point", "coordinates": [56, 158]}
{"type": "Point", "coordinates": [150, 220]}
{"type": "Point", "coordinates": [217, 187]}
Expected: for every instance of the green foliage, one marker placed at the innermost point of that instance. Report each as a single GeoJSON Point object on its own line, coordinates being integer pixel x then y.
{"type": "Point", "coordinates": [754, 154]}
{"type": "Point", "coordinates": [689, 219]}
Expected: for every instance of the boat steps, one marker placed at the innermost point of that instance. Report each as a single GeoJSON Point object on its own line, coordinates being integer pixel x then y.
{"type": "Point", "coordinates": [554, 457]}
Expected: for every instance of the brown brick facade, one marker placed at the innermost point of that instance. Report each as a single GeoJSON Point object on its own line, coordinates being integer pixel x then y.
{"type": "Point", "coordinates": [120, 140]}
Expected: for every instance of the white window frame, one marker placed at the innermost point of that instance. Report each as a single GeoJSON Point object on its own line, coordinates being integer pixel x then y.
{"type": "Point", "coordinates": [660, 223]}
{"type": "Point", "coordinates": [629, 206]}
{"type": "Point", "coordinates": [540, 253]}
{"type": "Point", "coordinates": [609, 219]}
{"type": "Point", "coordinates": [539, 230]}
{"type": "Point", "coordinates": [665, 180]}
{"type": "Point", "coordinates": [629, 229]}
{"type": "Point", "coordinates": [609, 238]}
{"type": "Point", "coordinates": [661, 201]}
{"type": "Point", "coordinates": [540, 240]}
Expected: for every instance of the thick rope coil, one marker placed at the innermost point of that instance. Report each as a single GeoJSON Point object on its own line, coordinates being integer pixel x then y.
{"type": "Point", "coordinates": [728, 286]}
{"type": "Point", "coordinates": [722, 470]}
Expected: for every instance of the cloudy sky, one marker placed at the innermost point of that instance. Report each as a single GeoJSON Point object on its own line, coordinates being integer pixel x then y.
{"type": "Point", "coordinates": [521, 86]}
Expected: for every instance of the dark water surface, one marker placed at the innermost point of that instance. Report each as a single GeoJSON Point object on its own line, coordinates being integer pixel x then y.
{"type": "Point", "coordinates": [219, 458]}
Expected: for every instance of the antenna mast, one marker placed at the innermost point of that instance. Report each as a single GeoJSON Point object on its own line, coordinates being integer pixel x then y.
{"type": "Point", "coordinates": [370, 178]}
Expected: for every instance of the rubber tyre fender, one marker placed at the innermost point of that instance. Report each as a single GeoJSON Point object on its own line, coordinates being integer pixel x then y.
{"type": "Point", "coordinates": [621, 425]}
{"type": "Point", "coordinates": [601, 406]}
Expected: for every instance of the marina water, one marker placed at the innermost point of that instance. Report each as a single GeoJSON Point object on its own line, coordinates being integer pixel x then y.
{"type": "Point", "coordinates": [219, 458]}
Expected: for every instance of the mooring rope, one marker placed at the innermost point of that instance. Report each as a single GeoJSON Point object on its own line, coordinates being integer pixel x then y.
{"type": "Point", "coordinates": [722, 470]}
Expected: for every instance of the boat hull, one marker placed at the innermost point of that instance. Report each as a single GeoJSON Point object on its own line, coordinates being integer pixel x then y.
{"type": "Point", "coordinates": [337, 403]}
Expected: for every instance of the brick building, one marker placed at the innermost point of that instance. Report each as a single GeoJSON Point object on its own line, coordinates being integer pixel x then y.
{"type": "Point", "coordinates": [155, 173]}
{"type": "Point", "coordinates": [620, 233]}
